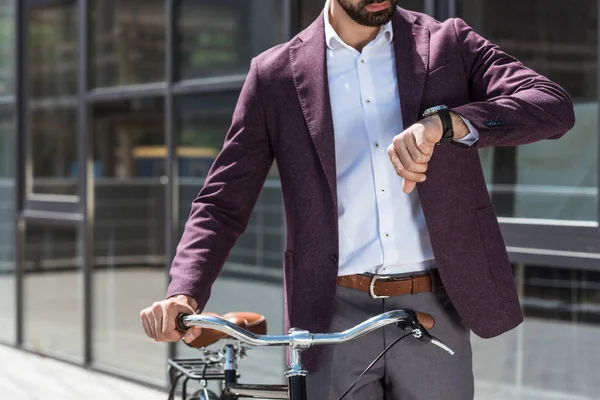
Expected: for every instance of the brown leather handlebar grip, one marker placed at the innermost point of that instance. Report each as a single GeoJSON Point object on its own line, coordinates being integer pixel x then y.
{"type": "Point", "coordinates": [426, 320]}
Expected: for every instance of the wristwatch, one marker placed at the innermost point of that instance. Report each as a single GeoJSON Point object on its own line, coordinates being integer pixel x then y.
{"type": "Point", "coordinates": [444, 114]}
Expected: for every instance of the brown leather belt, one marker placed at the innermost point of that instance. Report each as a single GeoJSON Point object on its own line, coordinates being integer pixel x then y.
{"type": "Point", "coordinates": [382, 287]}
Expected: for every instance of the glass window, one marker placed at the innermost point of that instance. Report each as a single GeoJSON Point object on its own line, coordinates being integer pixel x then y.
{"type": "Point", "coordinates": [127, 42]}
{"type": "Point", "coordinates": [7, 176]}
{"type": "Point", "coordinates": [129, 236]}
{"type": "Point", "coordinates": [7, 47]}
{"type": "Point", "coordinates": [219, 37]}
{"type": "Point", "coordinates": [549, 179]}
{"type": "Point", "coordinates": [202, 122]}
{"type": "Point", "coordinates": [551, 355]}
{"type": "Point", "coordinates": [52, 85]}
{"type": "Point", "coordinates": [53, 291]}
{"type": "Point", "coordinates": [7, 232]}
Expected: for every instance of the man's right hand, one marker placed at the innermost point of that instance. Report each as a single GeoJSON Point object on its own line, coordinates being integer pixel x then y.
{"type": "Point", "coordinates": [159, 321]}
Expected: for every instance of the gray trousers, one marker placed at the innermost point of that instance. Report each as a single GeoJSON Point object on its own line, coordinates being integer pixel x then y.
{"type": "Point", "coordinates": [410, 370]}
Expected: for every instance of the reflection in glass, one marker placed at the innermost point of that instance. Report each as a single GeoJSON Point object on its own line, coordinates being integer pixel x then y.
{"type": "Point", "coordinates": [202, 122]}
{"type": "Point", "coordinates": [53, 149]}
{"type": "Point", "coordinates": [52, 85]}
{"type": "Point", "coordinates": [554, 352]}
{"type": "Point", "coordinates": [7, 232]}
{"type": "Point", "coordinates": [129, 235]}
{"type": "Point", "coordinates": [217, 38]}
{"type": "Point", "coordinates": [53, 292]}
{"type": "Point", "coordinates": [7, 47]}
{"type": "Point", "coordinates": [549, 179]}
{"type": "Point", "coordinates": [127, 42]}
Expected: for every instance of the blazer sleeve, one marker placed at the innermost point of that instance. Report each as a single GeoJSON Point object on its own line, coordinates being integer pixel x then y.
{"type": "Point", "coordinates": [221, 211]}
{"type": "Point", "coordinates": [511, 104]}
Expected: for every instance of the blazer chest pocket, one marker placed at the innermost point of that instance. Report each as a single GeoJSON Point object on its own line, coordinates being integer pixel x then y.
{"type": "Point", "coordinates": [495, 251]}
{"type": "Point", "coordinates": [436, 75]}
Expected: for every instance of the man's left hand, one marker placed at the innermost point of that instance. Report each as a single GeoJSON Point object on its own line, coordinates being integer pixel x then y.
{"type": "Point", "coordinates": [411, 150]}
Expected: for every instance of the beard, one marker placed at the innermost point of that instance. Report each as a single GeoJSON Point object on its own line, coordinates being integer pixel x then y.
{"type": "Point", "coordinates": [361, 16]}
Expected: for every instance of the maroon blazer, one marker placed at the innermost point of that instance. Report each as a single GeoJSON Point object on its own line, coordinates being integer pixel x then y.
{"type": "Point", "coordinates": [284, 113]}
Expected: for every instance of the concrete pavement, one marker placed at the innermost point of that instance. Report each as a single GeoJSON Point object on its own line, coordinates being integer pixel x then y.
{"type": "Point", "coordinates": [25, 376]}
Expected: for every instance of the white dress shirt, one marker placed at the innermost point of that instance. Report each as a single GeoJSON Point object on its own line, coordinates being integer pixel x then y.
{"type": "Point", "coordinates": [382, 230]}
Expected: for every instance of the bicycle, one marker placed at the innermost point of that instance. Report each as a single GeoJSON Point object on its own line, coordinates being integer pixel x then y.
{"type": "Point", "coordinates": [249, 330]}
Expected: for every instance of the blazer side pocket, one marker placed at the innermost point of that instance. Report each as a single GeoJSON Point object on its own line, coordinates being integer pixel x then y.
{"type": "Point", "coordinates": [495, 251]}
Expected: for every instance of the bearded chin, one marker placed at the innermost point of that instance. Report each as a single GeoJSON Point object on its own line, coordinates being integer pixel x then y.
{"type": "Point", "coordinates": [362, 16]}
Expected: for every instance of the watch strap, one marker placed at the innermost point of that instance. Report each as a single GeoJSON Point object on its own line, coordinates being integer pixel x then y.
{"type": "Point", "coordinates": [447, 127]}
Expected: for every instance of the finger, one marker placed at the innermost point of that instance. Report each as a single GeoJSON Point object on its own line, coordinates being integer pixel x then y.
{"type": "Point", "coordinates": [423, 144]}
{"type": "Point", "coordinates": [151, 325]}
{"type": "Point", "coordinates": [408, 186]}
{"type": "Point", "coordinates": [408, 162]}
{"type": "Point", "coordinates": [169, 325]}
{"type": "Point", "coordinates": [158, 320]}
{"type": "Point", "coordinates": [416, 153]}
{"type": "Point", "coordinates": [192, 334]}
{"type": "Point", "coordinates": [401, 169]}
{"type": "Point", "coordinates": [146, 326]}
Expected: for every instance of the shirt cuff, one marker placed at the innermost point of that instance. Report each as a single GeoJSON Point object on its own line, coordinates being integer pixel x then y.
{"type": "Point", "coordinates": [472, 136]}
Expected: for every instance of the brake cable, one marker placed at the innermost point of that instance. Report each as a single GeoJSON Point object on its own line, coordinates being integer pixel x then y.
{"type": "Point", "coordinates": [373, 363]}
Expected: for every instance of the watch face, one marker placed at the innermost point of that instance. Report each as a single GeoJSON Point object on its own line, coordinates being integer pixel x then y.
{"type": "Point", "coordinates": [433, 110]}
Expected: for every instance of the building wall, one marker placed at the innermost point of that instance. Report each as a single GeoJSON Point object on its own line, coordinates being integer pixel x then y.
{"type": "Point", "coordinates": [104, 166]}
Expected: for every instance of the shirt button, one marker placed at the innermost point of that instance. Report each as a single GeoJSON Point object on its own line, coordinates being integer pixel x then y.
{"type": "Point", "coordinates": [383, 190]}
{"type": "Point", "coordinates": [362, 60]}
{"type": "Point", "coordinates": [334, 258]}
{"type": "Point", "coordinates": [387, 235]}
{"type": "Point", "coordinates": [368, 101]}
{"type": "Point", "coordinates": [377, 145]}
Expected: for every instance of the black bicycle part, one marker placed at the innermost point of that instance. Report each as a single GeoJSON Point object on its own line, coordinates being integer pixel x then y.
{"type": "Point", "coordinates": [192, 369]}
{"type": "Point", "coordinates": [174, 381]}
{"type": "Point", "coordinates": [372, 364]}
{"type": "Point", "coordinates": [230, 379]}
{"type": "Point", "coordinates": [412, 323]}
{"type": "Point", "coordinates": [179, 322]}
{"type": "Point", "coordinates": [297, 387]}
{"type": "Point", "coordinates": [200, 395]}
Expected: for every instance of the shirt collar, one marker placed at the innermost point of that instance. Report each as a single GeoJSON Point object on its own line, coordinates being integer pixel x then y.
{"type": "Point", "coordinates": [332, 39]}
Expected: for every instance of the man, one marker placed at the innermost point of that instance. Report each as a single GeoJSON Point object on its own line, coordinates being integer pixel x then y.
{"type": "Point", "coordinates": [367, 76]}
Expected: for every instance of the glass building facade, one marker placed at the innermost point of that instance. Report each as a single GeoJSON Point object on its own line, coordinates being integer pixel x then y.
{"type": "Point", "coordinates": [111, 112]}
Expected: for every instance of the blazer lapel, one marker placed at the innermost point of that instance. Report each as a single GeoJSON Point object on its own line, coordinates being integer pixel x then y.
{"type": "Point", "coordinates": [411, 45]}
{"type": "Point", "coordinates": [309, 68]}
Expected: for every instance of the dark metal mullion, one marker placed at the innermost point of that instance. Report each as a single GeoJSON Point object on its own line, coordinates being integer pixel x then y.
{"type": "Point", "coordinates": [20, 160]}
{"type": "Point", "coordinates": [172, 200]}
{"type": "Point", "coordinates": [209, 85]}
{"type": "Point", "coordinates": [85, 187]}
{"type": "Point", "coordinates": [286, 11]}
{"type": "Point", "coordinates": [451, 8]}
{"type": "Point", "coordinates": [40, 217]}
{"type": "Point", "coordinates": [126, 92]}
{"type": "Point", "coordinates": [598, 127]}
{"type": "Point", "coordinates": [429, 7]}
{"type": "Point", "coordinates": [442, 9]}
{"type": "Point", "coordinates": [66, 207]}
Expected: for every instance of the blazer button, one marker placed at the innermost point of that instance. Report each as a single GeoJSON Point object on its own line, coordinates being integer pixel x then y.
{"type": "Point", "coordinates": [334, 258]}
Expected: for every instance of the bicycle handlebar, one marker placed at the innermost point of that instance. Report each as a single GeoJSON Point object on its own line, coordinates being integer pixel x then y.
{"type": "Point", "coordinates": [303, 339]}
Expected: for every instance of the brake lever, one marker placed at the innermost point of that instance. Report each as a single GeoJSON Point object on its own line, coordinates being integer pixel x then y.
{"type": "Point", "coordinates": [419, 332]}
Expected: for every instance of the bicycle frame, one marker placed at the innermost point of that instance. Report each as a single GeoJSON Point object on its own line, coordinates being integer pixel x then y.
{"type": "Point", "coordinates": [297, 341]}
{"type": "Point", "coordinates": [295, 390]}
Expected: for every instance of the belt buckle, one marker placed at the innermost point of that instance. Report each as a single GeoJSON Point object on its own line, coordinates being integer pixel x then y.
{"type": "Point", "coordinates": [374, 279]}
